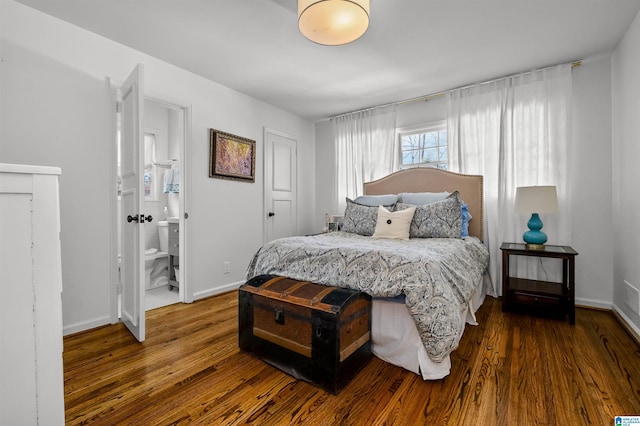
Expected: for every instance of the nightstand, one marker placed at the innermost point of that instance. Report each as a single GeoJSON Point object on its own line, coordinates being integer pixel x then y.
{"type": "Point", "coordinates": [533, 296]}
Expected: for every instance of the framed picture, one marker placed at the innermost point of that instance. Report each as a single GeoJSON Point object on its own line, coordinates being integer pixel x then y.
{"type": "Point", "coordinates": [231, 157]}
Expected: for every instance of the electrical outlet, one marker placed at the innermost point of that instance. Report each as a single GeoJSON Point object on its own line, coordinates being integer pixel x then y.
{"type": "Point", "coordinates": [227, 267]}
{"type": "Point", "coordinates": [632, 297]}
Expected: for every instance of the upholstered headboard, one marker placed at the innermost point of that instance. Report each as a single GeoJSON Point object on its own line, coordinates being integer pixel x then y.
{"type": "Point", "coordinates": [428, 179]}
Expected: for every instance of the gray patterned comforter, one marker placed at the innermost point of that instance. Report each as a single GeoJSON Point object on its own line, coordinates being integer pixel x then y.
{"type": "Point", "coordinates": [436, 275]}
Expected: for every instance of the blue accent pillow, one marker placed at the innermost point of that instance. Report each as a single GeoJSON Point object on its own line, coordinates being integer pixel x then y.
{"type": "Point", "coordinates": [466, 217]}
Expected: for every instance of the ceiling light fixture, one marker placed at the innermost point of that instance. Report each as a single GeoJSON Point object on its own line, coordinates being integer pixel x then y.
{"type": "Point", "coordinates": [333, 22]}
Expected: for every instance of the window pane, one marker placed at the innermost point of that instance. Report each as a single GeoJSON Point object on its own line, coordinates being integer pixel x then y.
{"type": "Point", "coordinates": [410, 142]}
{"type": "Point", "coordinates": [443, 153]}
{"type": "Point", "coordinates": [430, 139]}
{"type": "Point", "coordinates": [410, 157]}
{"type": "Point", "coordinates": [148, 181]}
{"type": "Point", "coordinates": [430, 155]}
{"type": "Point", "coordinates": [442, 134]}
{"type": "Point", "coordinates": [443, 166]}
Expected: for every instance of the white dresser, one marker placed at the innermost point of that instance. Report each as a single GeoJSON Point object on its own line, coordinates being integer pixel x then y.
{"type": "Point", "coordinates": [31, 369]}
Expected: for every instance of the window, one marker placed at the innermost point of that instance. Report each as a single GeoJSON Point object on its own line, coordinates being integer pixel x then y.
{"type": "Point", "coordinates": [149, 166]}
{"type": "Point", "coordinates": [424, 147]}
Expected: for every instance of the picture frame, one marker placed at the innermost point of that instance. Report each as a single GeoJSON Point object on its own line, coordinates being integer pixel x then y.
{"type": "Point", "coordinates": [231, 157]}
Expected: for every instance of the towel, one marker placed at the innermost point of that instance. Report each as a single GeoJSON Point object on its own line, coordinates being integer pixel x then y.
{"type": "Point", "coordinates": [176, 181]}
{"type": "Point", "coordinates": [172, 181]}
{"type": "Point", "coordinates": [168, 180]}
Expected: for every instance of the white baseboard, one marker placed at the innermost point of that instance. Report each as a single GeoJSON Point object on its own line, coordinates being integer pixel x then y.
{"type": "Point", "coordinates": [627, 323]}
{"type": "Point", "coordinates": [588, 303]}
{"type": "Point", "coordinates": [86, 325]}
{"type": "Point", "coordinates": [217, 290]}
{"type": "Point", "coordinates": [99, 322]}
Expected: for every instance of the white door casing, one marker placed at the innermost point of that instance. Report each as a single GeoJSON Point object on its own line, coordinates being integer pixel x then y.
{"type": "Point", "coordinates": [280, 185]}
{"type": "Point", "coordinates": [132, 202]}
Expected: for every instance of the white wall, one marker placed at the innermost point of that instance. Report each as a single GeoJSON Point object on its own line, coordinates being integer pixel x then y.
{"type": "Point", "coordinates": [626, 173]}
{"type": "Point", "coordinates": [591, 182]}
{"type": "Point", "coordinates": [53, 111]}
{"type": "Point", "coordinates": [591, 169]}
{"type": "Point", "coordinates": [325, 174]}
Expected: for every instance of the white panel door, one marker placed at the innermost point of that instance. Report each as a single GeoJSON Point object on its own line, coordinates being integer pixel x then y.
{"type": "Point", "coordinates": [132, 202]}
{"type": "Point", "coordinates": [280, 185]}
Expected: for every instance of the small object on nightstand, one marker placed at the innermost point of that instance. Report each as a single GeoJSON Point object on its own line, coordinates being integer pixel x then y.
{"type": "Point", "coordinates": [525, 295]}
{"type": "Point", "coordinates": [535, 200]}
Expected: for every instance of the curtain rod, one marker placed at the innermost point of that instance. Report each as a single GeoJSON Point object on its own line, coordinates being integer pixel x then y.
{"type": "Point", "coordinates": [425, 98]}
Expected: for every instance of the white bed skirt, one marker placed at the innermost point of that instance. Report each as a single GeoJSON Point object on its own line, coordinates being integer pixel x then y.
{"type": "Point", "coordinates": [395, 337]}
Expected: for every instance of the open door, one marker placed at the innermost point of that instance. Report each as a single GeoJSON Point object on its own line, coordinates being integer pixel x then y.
{"type": "Point", "coordinates": [131, 106]}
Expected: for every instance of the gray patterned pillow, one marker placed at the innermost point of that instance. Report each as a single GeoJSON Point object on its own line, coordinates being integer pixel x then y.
{"type": "Point", "coordinates": [360, 219]}
{"type": "Point", "coordinates": [442, 219]}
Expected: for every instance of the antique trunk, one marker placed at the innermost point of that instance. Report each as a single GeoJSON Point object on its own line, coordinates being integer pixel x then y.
{"type": "Point", "coordinates": [316, 333]}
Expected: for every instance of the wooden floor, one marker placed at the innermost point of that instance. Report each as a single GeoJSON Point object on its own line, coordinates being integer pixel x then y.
{"type": "Point", "coordinates": [510, 370]}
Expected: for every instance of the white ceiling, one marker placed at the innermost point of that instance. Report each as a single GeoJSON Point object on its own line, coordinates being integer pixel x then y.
{"type": "Point", "coordinates": [412, 47]}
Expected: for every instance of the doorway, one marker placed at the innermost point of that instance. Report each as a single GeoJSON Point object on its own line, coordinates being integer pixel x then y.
{"type": "Point", "coordinates": [164, 137]}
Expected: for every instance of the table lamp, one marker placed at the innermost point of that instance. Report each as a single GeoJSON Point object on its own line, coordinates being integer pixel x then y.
{"type": "Point", "coordinates": [535, 200]}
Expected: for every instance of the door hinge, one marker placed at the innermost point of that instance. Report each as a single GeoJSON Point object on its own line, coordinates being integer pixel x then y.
{"type": "Point", "coordinates": [118, 106]}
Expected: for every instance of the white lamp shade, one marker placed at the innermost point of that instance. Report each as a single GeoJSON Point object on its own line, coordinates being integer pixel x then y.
{"type": "Point", "coordinates": [536, 199]}
{"type": "Point", "coordinates": [333, 22]}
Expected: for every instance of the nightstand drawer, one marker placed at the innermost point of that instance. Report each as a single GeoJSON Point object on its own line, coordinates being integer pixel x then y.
{"type": "Point", "coordinates": [533, 299]}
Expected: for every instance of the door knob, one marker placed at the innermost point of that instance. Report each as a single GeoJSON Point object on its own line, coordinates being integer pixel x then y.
{"type": "Point", "coordinates": [139, 218]}
{"type": "Point", "coordinates": [271, 214]}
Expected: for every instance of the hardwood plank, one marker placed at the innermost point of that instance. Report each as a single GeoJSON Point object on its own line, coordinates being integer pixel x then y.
{"type": "Point", "coordinates": [511, 369]}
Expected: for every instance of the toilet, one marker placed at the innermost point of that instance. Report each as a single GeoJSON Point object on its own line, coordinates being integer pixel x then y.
{"type": "Point", "coordinates": [163, 235]}
{"type": "Point", "coordinates": [149, 262]}
{"type": "Point", "coordinates": [155, 261]}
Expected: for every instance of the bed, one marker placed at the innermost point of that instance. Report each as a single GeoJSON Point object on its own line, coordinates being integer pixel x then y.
{"type": "Point", "coordinates": [425, 289]}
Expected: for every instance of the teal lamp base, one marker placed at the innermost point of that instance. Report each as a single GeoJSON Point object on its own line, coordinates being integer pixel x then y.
{"type": "Point", "coordinates": [534, 237]}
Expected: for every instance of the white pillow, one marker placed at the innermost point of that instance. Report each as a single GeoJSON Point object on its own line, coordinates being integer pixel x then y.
{"type": "Point", "coordinates": [394, 224]}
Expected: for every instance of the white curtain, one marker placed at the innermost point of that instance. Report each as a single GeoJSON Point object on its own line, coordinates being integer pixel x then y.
{"type": "Point", "coordinates": [365, 150]}
{"type": "Point", "coordinates": [516, 132]}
